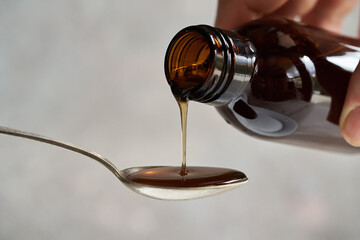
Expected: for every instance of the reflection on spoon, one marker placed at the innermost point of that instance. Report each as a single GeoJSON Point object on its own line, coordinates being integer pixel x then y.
{"type": "Point", "coordinates": [158, 182]}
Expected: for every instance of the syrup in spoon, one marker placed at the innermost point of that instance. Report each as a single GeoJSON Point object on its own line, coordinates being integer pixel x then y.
{"type": "Point", "coordinates": [179, 183]}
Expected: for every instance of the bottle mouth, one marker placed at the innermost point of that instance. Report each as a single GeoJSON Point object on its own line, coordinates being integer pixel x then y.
{"type": "Point", "coordinates": [188, 61]}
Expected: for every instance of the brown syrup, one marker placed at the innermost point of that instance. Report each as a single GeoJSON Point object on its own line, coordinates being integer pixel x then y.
{"type": "Point", "coordinates": [184, 176]}
{"type": "Point", "coordinates": [195, 177]}
{"type": "Point", "coordinates": [183, 105]}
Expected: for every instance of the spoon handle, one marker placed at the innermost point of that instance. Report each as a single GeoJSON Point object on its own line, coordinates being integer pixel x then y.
{"type": "Point", "coordinates": [66, 145]}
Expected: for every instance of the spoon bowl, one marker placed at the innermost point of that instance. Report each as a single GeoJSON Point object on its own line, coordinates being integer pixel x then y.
{"type": "Point", "coordinates": [181, 189]}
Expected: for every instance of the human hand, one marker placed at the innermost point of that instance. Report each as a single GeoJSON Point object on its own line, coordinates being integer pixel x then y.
{"type": "Point", "coordinates": [326, 14]}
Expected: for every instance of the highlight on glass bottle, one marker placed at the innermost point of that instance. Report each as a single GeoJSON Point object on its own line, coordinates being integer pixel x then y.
{"type": "Point", "coordinates": [271, 78]}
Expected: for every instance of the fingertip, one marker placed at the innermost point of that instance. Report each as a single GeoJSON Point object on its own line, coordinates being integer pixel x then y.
{"type": "Point", "coordinates": [350, 116]}
{"type": "Point", "coordinates": [350, 126]}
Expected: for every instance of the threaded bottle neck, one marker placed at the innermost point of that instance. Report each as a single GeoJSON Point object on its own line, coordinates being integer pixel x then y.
{"type": "Point", "coordinates": [200, 63]}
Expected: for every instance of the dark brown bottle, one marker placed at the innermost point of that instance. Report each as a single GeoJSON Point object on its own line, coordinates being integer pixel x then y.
{"type": "Point", "coordinates": [271, 78]}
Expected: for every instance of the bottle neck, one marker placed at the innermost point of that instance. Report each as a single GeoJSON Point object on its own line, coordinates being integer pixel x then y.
{"type": "Point", "coordinates": [202, 61]}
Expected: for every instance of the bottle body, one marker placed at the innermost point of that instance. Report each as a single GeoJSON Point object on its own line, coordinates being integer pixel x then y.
{"type": "Point", "coordinates": [271, 78]}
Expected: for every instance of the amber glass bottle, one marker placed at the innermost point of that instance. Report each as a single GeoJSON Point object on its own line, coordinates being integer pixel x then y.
{"type": "Point", "coordinates": [271, 78]}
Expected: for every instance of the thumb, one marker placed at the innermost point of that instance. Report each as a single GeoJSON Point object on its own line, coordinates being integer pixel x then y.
{"type": "Point", "coordinates": [350, 116]}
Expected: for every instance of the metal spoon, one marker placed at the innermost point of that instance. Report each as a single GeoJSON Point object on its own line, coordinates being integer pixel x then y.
{"type": "Point", "coordinates": [153, 191]}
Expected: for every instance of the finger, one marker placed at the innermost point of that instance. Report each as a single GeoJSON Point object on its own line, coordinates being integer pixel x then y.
{"type": "Point", "coordinates": [294, 8]}
{"type": "Point", "coordinates": [329, 14]}
{"type": "Point", "coordinates": [233, 13]}
{"type": "Point", "coordinates": [350, 116]}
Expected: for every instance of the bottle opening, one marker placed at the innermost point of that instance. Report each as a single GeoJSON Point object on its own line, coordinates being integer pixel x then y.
{"type": "Point", "coordinates": [188, 62]}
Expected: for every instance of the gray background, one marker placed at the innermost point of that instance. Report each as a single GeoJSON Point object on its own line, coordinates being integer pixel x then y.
{"type": "Point", "coordinates": [91, 72]}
